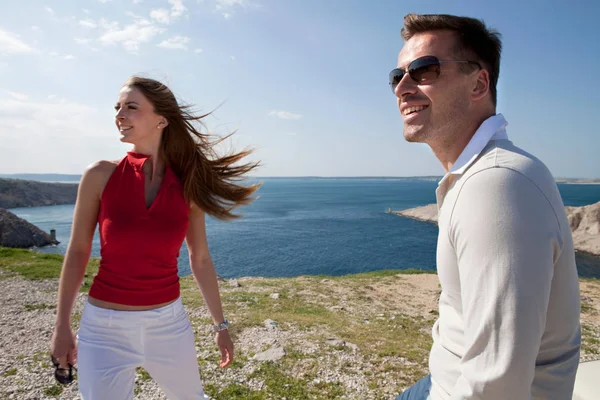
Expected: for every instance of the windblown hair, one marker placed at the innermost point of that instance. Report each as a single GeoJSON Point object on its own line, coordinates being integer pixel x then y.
{"type": "Point", "coordinates": [213, 182]}
{"type": "Point", "coordinates": [474, 40]}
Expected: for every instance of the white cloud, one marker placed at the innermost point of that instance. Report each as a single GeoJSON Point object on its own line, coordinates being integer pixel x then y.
{"type": "Point", "coordinates": [161, 15]}
{"type": "Point", "coordinates": [39, 115]}
{"type": "Point", "coordinates": [69, 57]}
{"type": "Point", "coordinates": [137, 1]}
{"type": "Point", "coordinates": [285, 114]}
{"type": "Point", "coordinates": [138, 18]}
{"type": "Point", "coordinates": [85, 42]}
{"type": "Point", "coordinates": [198, 51]}
{"type": "Point", "coordinates": [228, 7]}
{"type": "Point", "coordinates": [86, 11]}
{"type": "Point", "coordinates": [18, 96]}
{"type": "Point", "coordinates": [108, 25]}
{"type": "Point", "coordinates": [53, 54]}
{"type": "Point", "coordinates": [176, 42]}
{"type": "Point", "coordinates": [49, 10]}
{"type": "Point", "coordinates": [232, 57]}
{"type": "Point", "coordinates": [164, 16]}
{"type": "Point", "coordinates": [59, 127]}
{"type": "Point", "coordinates": [11, 44]}
{"type": "Point", "coordinates": [36, 28]}
{"type": "Point", "coordinates": [130, 36]}
{"type": "Point", "coordinates": [88, 23]}
{"type": "Point", "coordinates": [177, 8]}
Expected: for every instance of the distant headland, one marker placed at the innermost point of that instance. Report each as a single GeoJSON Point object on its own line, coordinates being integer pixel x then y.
{"type": "Point", "coordinates": [584, 222]}
{"type": "Point", "coordinates": [21, 193]}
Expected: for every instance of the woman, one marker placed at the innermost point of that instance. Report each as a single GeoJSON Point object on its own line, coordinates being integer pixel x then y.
{"type": "Point", "coordinates": [145, 205]}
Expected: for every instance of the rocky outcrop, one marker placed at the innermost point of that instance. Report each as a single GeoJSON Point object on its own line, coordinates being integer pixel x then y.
{"type": "Point", "coordinates": [17, 193]}
{"type": "Point", "coordinates": [428, 213]}
{"type": "Point", "coordinates": [585, 225]}
{"type": "Point", "coordinates": [584, 221]}
{"type": "Point", "coordinates": [16, 232]}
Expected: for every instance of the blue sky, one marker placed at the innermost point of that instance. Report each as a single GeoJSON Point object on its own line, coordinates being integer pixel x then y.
{"type": "Point", "coordinates": [304, 82]}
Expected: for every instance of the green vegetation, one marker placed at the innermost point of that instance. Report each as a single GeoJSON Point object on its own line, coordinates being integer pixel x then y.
{"type": "Point", "coordinates": [384, 333]}
{"type": "Point", "coordinates": [54, 390]}
{"type": "Point", "coordinates": [39, 266]}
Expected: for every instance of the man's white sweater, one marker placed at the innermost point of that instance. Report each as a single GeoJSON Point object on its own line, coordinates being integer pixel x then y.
{"type": "Point", "coordinates": [508, 326]}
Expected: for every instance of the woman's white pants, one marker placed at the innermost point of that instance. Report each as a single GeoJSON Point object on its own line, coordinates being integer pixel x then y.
{"type": "Point", "coordinates": [112, 344]}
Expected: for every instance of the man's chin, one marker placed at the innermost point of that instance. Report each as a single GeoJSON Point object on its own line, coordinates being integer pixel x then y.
{"type": "Point", "coordinates": [414, 135]}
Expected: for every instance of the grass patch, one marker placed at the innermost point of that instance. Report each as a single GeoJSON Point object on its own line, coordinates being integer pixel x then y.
{"type": "Point", "coordinates": [587, 308]}
{"type": "Point", "coordinates": [590, 343]}
{"type": "Point", "coordinates": [39, 266]}
{"type": "Point", "coordinates": [11, 372]}
{"type": "Point", "coordinates": [143, 375]}
{"type": "Point", "coordinates": [233, 391]}
{"type": "Point", "coordinates": [279, 385]}
{"type": "Point", "coordinates": [40, 306]}
{"type": "Point", "coordinates": [289, 308]}
{"type": "Point", "coordinates": [385, 273]}
{"type": "Point", "coordinates": [54, 390]}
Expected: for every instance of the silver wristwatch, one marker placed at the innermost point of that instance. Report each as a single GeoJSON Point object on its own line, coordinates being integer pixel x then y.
{"type": "Point", "coordinates": [222, 326]}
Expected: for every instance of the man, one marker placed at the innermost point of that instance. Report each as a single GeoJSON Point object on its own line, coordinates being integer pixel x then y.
{"type": "Point", "coordinates": [508, 324]}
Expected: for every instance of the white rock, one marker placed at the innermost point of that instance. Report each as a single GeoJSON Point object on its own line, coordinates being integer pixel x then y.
{"type": "Point", "coordinates": [273, 354]}
{"type": "Point", "coordinates": [270, 324]}
{"type": "Point", "coordinates": [335, 342]}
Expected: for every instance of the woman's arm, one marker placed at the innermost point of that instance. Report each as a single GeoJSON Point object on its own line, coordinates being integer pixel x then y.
{"type": "Point", "coordinates": [76, 258]}
{"type": "Point", "coordinates": [204, 272]}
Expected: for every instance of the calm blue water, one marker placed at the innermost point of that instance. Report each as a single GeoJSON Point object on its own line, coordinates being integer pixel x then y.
{"type": "Point", "coordinates": [319, 226]}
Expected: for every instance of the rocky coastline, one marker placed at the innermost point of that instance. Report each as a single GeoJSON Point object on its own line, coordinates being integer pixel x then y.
{"type": "Point", "coordinates": [584, 222]}
{"type": "Point", "coordinates": [16, 232]}
{"type": "Point", "coordinates": [20, 193]}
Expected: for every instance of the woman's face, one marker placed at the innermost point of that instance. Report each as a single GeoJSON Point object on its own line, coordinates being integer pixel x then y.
{"type": "Point", "coordinates": [135, 117]}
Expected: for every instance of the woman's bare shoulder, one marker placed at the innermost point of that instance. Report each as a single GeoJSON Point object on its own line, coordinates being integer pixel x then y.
{"type": "Point", "coordinates": [96, 175]}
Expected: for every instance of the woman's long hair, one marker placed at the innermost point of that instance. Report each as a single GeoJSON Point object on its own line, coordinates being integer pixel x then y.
{"type": "Point", "coordinates": [214, 183]}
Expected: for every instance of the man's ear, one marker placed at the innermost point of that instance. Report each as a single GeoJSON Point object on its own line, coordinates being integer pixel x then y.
{"type": "Point", "coordinates": [482, 85]}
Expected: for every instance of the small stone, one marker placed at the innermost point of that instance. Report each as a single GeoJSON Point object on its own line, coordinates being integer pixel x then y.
{"type": "Point", "coordinates": [273, 354]}
{"type": "Point", "coordinates": [335, 342]}
{"type": "Point", "coordinates": [275, 296]}
{"type": "Point", "coordinates": [352, 346]}
{"type": "Point", "coordinates": [270, 324]}
{"type": "Point", "coordinates": [234, 283]}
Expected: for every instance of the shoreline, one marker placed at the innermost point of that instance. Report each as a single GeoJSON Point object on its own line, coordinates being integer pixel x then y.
{"type": "Point", "coordinates": [583, 219]}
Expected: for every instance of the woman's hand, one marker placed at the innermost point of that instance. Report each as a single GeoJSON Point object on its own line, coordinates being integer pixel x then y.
{"type": "Point", "coordinates": [225, 345]}
{"type": "Point", "coordinates": [63, 346]}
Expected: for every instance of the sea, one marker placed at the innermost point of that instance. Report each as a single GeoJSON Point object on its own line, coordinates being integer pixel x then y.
{"type": "Point", "coordinates": [319, 226]}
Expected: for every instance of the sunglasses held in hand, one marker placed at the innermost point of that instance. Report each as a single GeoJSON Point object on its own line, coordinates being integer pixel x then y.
{"type": "Point", "coordinates": [63, 375]}
{"type": "Point", "coordinates": [424, 70]}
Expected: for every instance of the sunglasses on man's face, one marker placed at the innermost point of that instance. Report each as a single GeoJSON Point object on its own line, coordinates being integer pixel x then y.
{"type": "Point", "coordinates": [63, 375]}
{"type": "Point", "coordinates": [424, 70]}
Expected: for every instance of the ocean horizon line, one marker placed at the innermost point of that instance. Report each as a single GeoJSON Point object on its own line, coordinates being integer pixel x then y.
{"type": "Point", "coordinates": [78, 176]}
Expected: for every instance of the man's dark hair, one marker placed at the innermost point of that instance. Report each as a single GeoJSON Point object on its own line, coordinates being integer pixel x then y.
{"type": "Point", "coordinates": [474, 40]}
